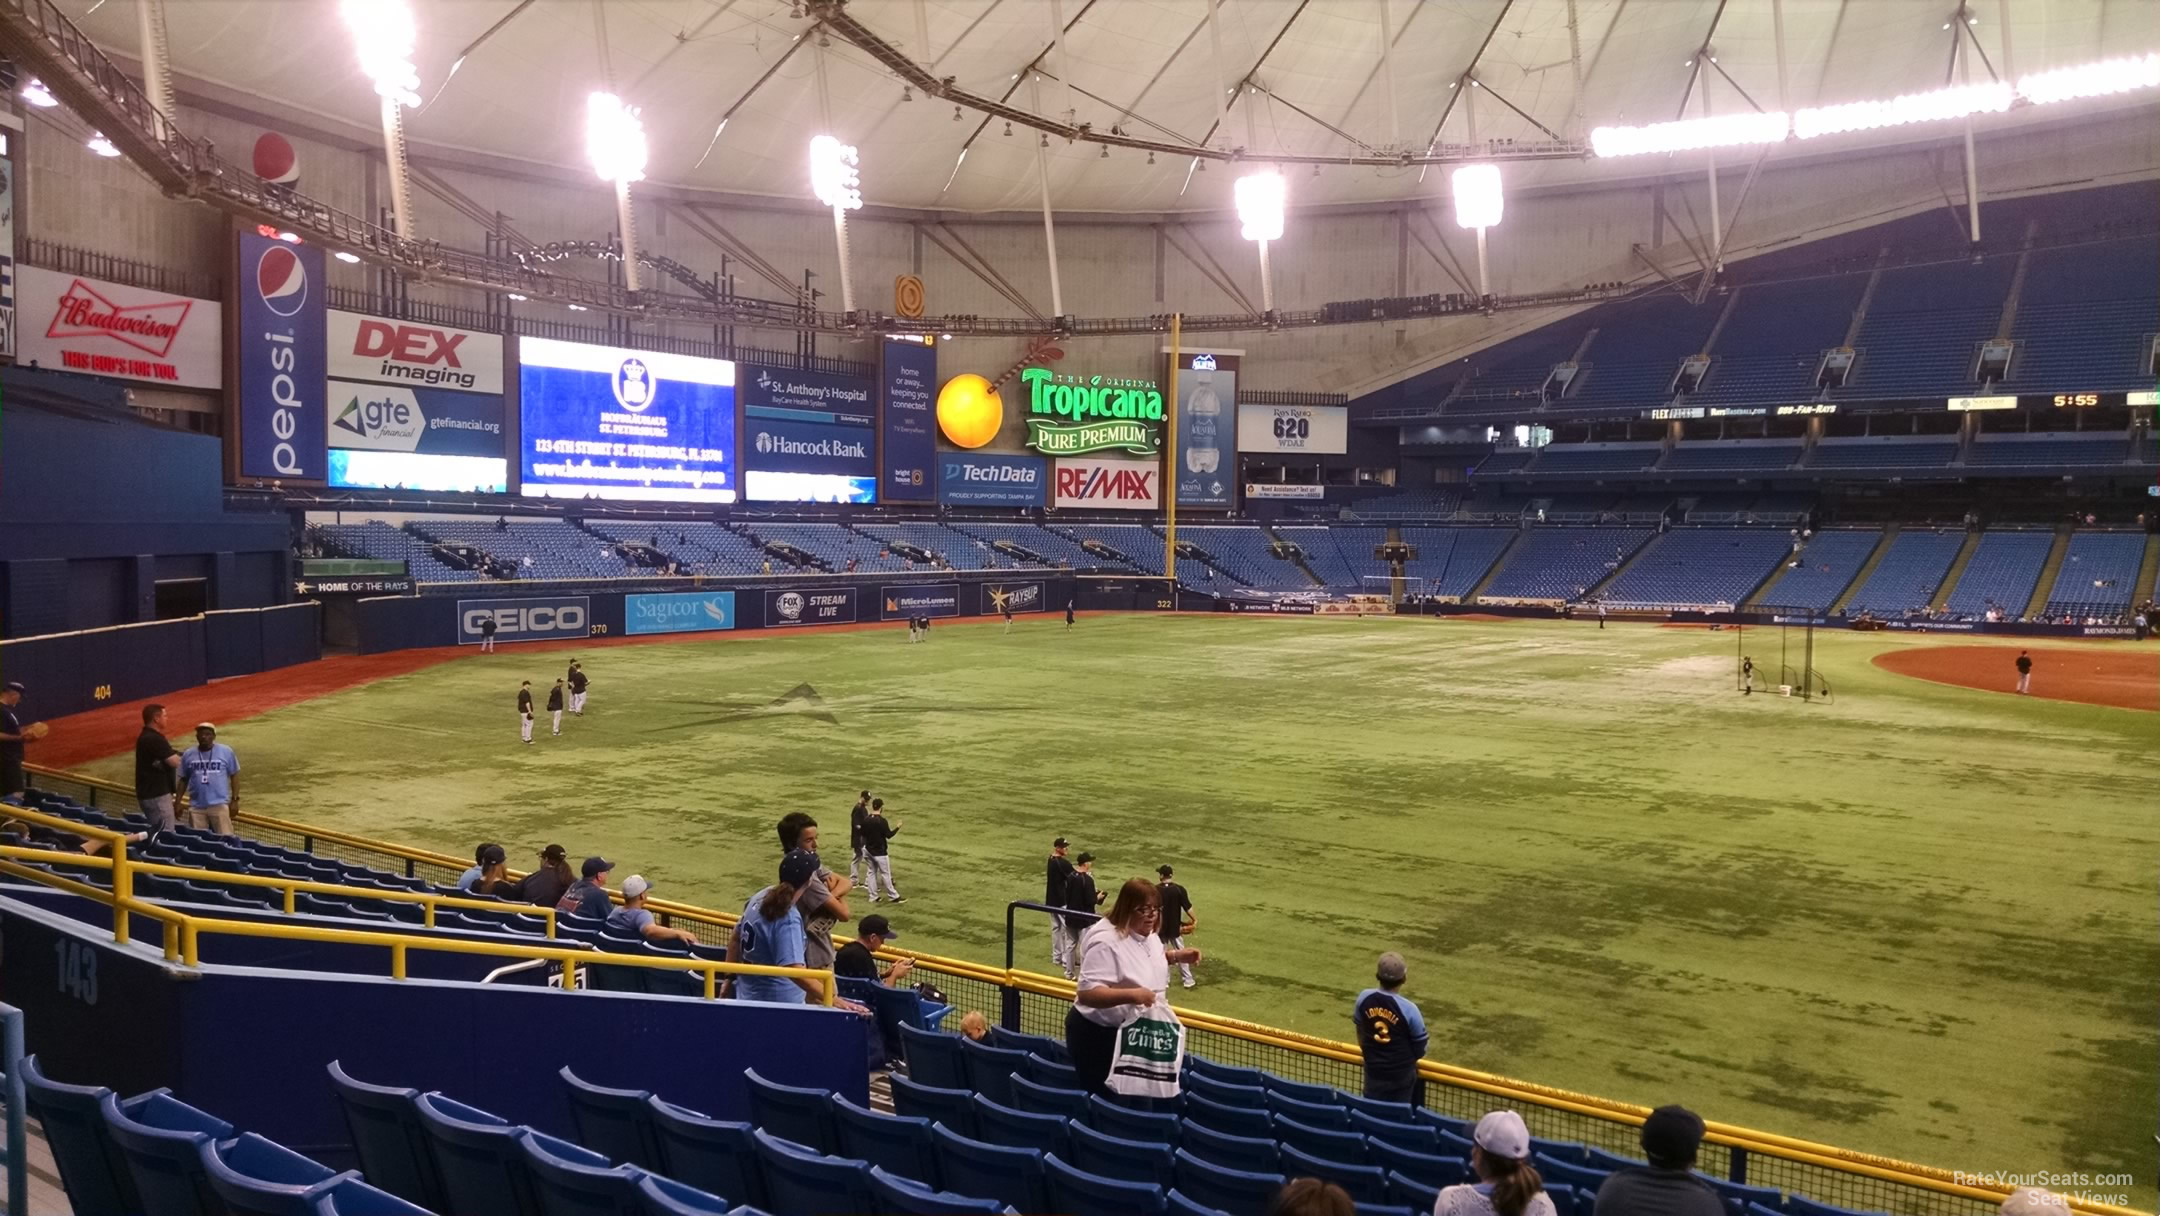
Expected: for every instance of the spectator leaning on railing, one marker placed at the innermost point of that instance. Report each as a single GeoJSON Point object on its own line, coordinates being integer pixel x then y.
{"type": "Point", "coordinates": [632, 917]}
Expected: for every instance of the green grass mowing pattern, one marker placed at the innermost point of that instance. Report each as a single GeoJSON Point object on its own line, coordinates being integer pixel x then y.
{"type": "Point", "coordinates": [1918, 922]}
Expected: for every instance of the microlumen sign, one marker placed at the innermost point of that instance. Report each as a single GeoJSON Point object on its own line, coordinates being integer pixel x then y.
{"type": "Point", "coordinates": [1069, 416]}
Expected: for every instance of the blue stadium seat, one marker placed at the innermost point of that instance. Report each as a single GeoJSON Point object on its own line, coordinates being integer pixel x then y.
{"type": "Point", "coordinates": [1567, 1201]}
{"type": "Point", "coordinates": [1322, 1141]}
{"type": "Point", "coordinates": [162, 1140]}
{"type": "Point", "coordinates": [1416, 1193]}
{"type": "Point", "coordinates": [615, 1123]}
{"type": "Point", "coordinates": [1428, 1169]}
{"type": "Point", "coordinates": [1311, 1114]}
{"type": "Point", "coordinates": [794, 1113]}
{"type": "Point", "coordinates": [1400, 1112]}
{"type": "Point", "coordinates": [658, 1196]}
{"type": "Point", "coordinates": [1403, 1132]}
{"type": "Point", "coordinates": [902, 1197]}
{"type": "Point", "coordinates": [1562, 1150]}
{"type": "Point", "coordinates": [1047, 1100]}
{"type": "Point", "coordinates": [955, 1108]}
{"type": "Point", "coordinates": [1251, 1097]}
{"type": "Point", "coordinates": [799, 1182]}
{"type": "Point", "coordinates": [1114, 1120]}
{"type": "Point", "coordinates": [1176, 1204]}
{"type": "Point", "coordinates": [1738, 1195]}
{"type": "Point", "coordinates": [1384, 1209]}
{"type": "Point", "coordinates": [1366, 1183]}
{"type": "Point", "coordinates": [1116, 1157]}
{"type": "Point", "coordinates": [1599, 1159]}
{"type": "Point", "coordinates": [92, 1168]}
{"type": "Point", "coordinates": [1230, 1151]}
{"type": "Point", "coordinates": [1226, 1117]}
{"type": "Point", "coordinates": [933, 1058]}
{"type": "Point", "coordinates": [483, 1171]}
{"type": "Point", "coordinates": [1571, 1173]}
{"type": "Point", "coordinates": [353, 1197]}
{"type": "Point", "coordinates": [1042, 1045]}
{"type": "Point", "coordinates": [709, 1154]}
{"type": "Point", "coordinates": [1076, 1192]}
{"type": "Point", "coordinates": [990, 1069]}
{"type": "Point", "coordinates": [897, 1143]}
{"type": "Point", "coordinates": [1225, 1073]}
{"type": "Point", "coordinates": [1045, 1071]}
{"type": "Point", "coordinates": [1012, 1175]}
{"type": "Point", "coordinates": [1325, 1095]}
{"type": "Point", "coordinates": [256, 1177]}
{"type": "Point", "coordinates": [1447, 1123]}
{"type": "Point", "coordinates": [1000, 1124]}
{"type": "Point", "coordinates": [1230, 1190]}
{"type": "Point", "coordinates": [583, 1185]}
{"type": "Point", "coordinates": [1450, 1143]}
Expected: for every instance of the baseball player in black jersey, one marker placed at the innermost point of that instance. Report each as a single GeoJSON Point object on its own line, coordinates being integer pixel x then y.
{"type": "Point", "coordinates": [555, 706]}
{"type": "Point", "coordinates": [577, 688]}
{"type": "Point", "coordinates": [525, 711]}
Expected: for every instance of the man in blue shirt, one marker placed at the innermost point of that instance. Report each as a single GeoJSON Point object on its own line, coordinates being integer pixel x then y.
{"type": "Point", "coordinates": [771, 933]}
{"type": "Point", "coordinates": [633, 918]}
{"type": "Point", "coordinates": [1391, 1034]}
{"type": "Point", "coordinates": [588, 895]}
{"type": "Point", "coordinates": [211, 773]}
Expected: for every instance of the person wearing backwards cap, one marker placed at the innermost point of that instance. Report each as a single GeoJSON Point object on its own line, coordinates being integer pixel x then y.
{"type": "Point", "coordinates": [1667, 1186]}
{"type": "Point", "coordinates": [633, 918]}
{"type": "Point", "coordinates": [545, 886]}
{"type": "Point", "coordinates": [771, 933]}
{"type": "Point", "coordinates": [13, 734]}
{"type": "Point", "coordinates": [1506, 1185]}
{"type": "Point", "coordinates": [1391, 1036]}
{"type": "Point", "coordinates": [588, 895]}
{"type": "Point", "coordinates": [211, 773]}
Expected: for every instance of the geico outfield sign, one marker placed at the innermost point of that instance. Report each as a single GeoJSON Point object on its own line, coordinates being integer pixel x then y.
{"type": "Point", "coordinates": [1071, 415]}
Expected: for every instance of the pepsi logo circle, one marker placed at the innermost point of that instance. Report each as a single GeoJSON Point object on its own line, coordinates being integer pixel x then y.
{"type": "Point", "coordinates": [281, 279]}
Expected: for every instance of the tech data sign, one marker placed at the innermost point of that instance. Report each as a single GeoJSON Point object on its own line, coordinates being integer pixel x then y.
{"type": "Point", "coordinates": [1118, 485]}
{"type": "Point", "coordinates": [524, 620]}
{"type": "Point", "coordinates": [1069, 414]}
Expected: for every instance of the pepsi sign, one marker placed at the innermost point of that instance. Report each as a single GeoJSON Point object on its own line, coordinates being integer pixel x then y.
{"type": "Point", "coordinates": [523, 620]}
{"type": "Point", "coordinates": [283, 358]}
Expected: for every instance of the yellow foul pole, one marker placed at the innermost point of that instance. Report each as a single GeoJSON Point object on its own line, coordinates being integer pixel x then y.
{"type": "Point", "coordinates": [1169, 482]}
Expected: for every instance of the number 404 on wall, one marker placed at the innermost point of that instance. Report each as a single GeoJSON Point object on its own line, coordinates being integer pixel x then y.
{"type": "Point", "coordinates": [78, 967]}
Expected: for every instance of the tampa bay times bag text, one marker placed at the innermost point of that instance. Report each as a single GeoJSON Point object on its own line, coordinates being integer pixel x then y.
{"type": "Point", "coordinates": [1150, 1054]}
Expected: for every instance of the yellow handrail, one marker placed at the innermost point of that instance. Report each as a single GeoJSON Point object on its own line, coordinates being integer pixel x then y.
{"type": "Point", "coordinates": [290, 886]}
{"type": "Point", "coordinates": [1506, 1089]}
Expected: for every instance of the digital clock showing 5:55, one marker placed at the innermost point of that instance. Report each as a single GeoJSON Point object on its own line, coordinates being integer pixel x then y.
{"type": "Point", "coordinates": [2076, 400]}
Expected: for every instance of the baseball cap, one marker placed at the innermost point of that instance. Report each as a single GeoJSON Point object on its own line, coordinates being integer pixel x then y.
{"type": "Point", "coordinates": [554, 853]}
{"type": "Point", "coordinates": [16, 686]}
{"type": "Point", "coordinates": [1083, 859]}
{"type": "Point", "coordinates": [597, 865]}
{"type": "Point", "coordinates": [878, 925]}
{"type": "Point", "coordinates": [493, 855]}
{"type": "Point", "coordinates": [1059, 843]}
{"type": "Point", "coordinates": [1163, 870]}
{"type": "Point", "coordinates": [634, 886]}
{"type": "Point", "coordinates": [1671, 1135]}
{"type": "Point", "coordinates": [798, 866]}
{"type": "Point", "coordinates": [1392, 970]}
{"type": "Point", "coordinates": [1502, 1134]}
{"type": "Point", "coordinates": [209, 726]}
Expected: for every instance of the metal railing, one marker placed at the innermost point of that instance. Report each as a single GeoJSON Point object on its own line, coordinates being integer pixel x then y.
{"type": "Point", "coordinates": [1036, 1004]}
{"type": "Point", "coordinates": [18, 1147]}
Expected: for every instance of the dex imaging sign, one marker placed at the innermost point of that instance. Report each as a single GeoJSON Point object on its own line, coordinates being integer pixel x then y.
{"type": "Point", "coordinates": [283, 357]}
{"type": "Point", "coordinates": [524, 620]}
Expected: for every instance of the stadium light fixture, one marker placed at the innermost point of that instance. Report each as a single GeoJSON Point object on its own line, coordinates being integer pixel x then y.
{"type": "Point", "coordinates": [1479, 201]}
{"type": "Point", "coordinates": [838, 184]}
{"type": "Point", "coordinates": [1723, 131]}
{"type": "Point", "coordinates": [2092, 80]}
{"type": "Point", "coordinates": [383, 37]}
{"type": "Point", "coordinates": [352, 259]}
{"type": "Point", "coordinates": [615, 143]}
{"type": "Point", "coordinates": [102, 146]}
{"type": "Point", "coordinates": [38, 95]}
{"type": "Point", "coordinates": [1958, 101]}
{"type": "Point", "coordinates": [1262, 198]}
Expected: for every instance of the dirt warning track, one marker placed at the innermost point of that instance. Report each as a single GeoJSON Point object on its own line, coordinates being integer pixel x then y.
{"type": "Point", "coordinates": [2123, 678]}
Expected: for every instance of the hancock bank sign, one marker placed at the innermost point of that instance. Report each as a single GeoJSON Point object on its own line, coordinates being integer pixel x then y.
{"type": "Point", "coordinates": [1070, 415]}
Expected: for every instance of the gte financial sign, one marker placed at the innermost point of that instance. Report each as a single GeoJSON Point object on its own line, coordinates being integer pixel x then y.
{"type": "Point", "coordinates": [1070, 414]}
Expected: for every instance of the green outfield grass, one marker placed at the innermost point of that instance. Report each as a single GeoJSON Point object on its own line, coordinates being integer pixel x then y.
{"type": "Point", "coordinates": [1919, 921]}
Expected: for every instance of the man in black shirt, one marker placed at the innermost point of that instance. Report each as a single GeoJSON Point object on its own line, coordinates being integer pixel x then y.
{"type": "Point", "coordinates": [858, 869]}
{"type": "Point", "coordinates": [13, 734]}
{"type": "Point", "coordinates": [155, 764]}
{"type": "Point", "coordinates": [555, 706]}
{"type": "Point", "coordinates": [525, 711]}
{"type": "Point", "coordinates": [853, 960]}
{"type": "Point", "coordinates": [487, 634]}
{"type": "Point", "coordinates": [1080, 896]}
{"type": "Point", "coordinates": [1391, 1036]}
{"type": "Point", "coordinates": [877, 834]}
{"type": "Point", "coordinates": [577, 688]}
{"type": "Point", "coordinates": [1060, 872]}
{"type": "Point", "coordinates": [1666, 1186]}
{"type": "Point", "coordinates": [2024, 666]}
{"type": "Point", "coordinates": [1176, 920]}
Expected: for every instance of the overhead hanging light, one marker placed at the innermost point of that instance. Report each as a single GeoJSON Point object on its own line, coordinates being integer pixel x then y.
{"type": "Point", "coordinates": [1935, 105]}
{"type": "Point", "coordinates": [38, 95]}
{"type": "Point", "coordinates": [834, 178]}
{"type": "Point", "coordinates": [342, 256]}
{"type": "Point", "coordinates": [614, 139]}
{"type": "Point", "coordinates": [1261, 200]}
{"type": "Point", "coordinates": [383, 37]}
{"type": "Point", "coordinates": [1479, 198]}
{"type": "Point", "coordinates": [2091, 80]}
{"type": "Point", "coordinates": [101, 145]}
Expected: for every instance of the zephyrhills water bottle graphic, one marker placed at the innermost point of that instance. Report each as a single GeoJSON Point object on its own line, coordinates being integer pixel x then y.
{"type": "Point", "coordinates": [1202, 451]}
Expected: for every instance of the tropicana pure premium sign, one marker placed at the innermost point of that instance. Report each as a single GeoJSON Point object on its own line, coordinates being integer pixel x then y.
{"type": "Point", "coordinates": [1069, 415]}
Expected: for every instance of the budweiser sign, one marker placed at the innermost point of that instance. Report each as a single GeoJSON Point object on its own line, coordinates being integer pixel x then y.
{"type": "Point", "coordinates": [82, 312]}
{"type": "Point", "coordinates": [111, 329]}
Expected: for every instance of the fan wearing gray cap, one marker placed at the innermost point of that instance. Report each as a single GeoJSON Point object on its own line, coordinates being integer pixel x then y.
{"type": "Point", "coordinates": [1507, 1184]}
{"type": "Point", "coordinates": [1391, 1035]}
{"type": "Point", "coordinates": [1667, 1186]}
{"type": "Point", "coordinates": [632, 919]}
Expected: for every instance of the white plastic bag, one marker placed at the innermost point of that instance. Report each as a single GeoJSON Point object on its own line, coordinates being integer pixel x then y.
{"type": "Point", "coordinates": [1150, 1054]}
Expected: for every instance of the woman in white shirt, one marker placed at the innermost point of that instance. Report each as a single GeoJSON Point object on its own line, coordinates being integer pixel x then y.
{"type": "Point", "coordinates": [1123, 970]}
{"type": "Point", "coordinates": [1507, 1185]}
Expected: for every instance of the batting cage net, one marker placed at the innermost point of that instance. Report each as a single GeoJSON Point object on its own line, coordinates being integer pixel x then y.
{"type": "Point", "coordinates": [1779, 657]}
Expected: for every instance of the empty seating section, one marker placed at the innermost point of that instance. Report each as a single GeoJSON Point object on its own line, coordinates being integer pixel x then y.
{"type": "Point", "coordinates": [1517, 368]}
{"type": "Point", "coordinates": [1638, 349]}
{"type": "Point", "coordinates": [1341, 554]}
{"type": "Point", "coordinates": [1244, 554]}
{"type": "Point", "coordinates": [1505, 461]}
{"type": "Point", "coordinates": [1140, 545]}
{"type": "Point", "coordinates": [2048, 451]}
{"type": "Point", "coordinates": [541, 549]}
{"type": "Point", "coordinates": [1429, 503]}
{"type": "Point", "coordinates": [1584, 458]}
{"type": "Point", "coordinates": [700, 548]}
{"type": "Point", "coordinates": [2085, 318]}
{"type": "Point", "coordinates": [1053, 547]}
{"type": "Point", "coordinates": [1923, 328]}
{"type": "Point", "coordinates": [1562, 563]}
{"type": "Point", "coordinates": [1731, 456]}
{"type": "Point", "coordinates": [2001, 575]}
{"type": "Point", "coordinates": [1909, 574]}
{"type": "Point", "coordinates": [1772, 341]}
{"type": "Point", "coordinates": [1688, 567]}
{"type": "Point", "coordinates": [382, 542]}
{"type": "Point", "coordinates": [2098, 576]}
{"type": "Point", "coordinates": [1882, 452]}
{"type": "Point", "coordinates": [1453, 560]}
{"type": "Point", "coordinates": [832, 545]}
{"type": "Point", "coordinates": [1826, 566]}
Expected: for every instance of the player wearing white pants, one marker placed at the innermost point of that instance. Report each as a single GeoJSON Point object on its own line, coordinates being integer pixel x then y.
{"type": "Point", "coordinates": [525, 711]}
{"type": "Point", "coordinates": [555, 705]}
{"type": "Point", "coordinates": [877, 837]}
{"type": "Point", "coordinates": [1176, 918]}
{"type": "Point", "coordinates": [1056, 874]}
{"type": "Point", "coordinates": [577, 688]}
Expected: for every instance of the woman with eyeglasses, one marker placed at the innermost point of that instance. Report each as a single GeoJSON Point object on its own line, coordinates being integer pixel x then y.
{"type": "Point", "coordinates": [1123, 970]}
